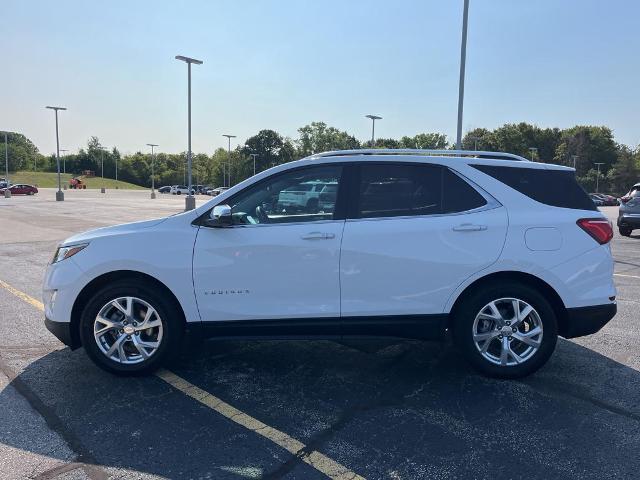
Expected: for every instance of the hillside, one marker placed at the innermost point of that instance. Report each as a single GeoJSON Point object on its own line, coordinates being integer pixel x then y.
{"type": "Point", "coordinates": [50, 180]}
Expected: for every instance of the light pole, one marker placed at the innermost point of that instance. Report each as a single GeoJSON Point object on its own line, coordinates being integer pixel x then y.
{"type": "Point", "coordinates": [64, 160]}
{"type": "Point", "coordinates": [102, 189]}
{"type": "Point", "coordinates": [475, 142]}
{"type": "Point", "coordinates": [59, 193]}
{"type": "Point", "coordinates": [373, 128]}
{"type": "Point", "coordinates": [534, 152]}
{"type": "Point", "coordinates": [463, 61]}
{"type": "Point", "coordinates": [229, 137]}
{"type": "Point", "coordinates": [190, 201]}
{"type": "Point", "coordinates": [153, 184]}
{"type": "Point", "coordinates": [598, 176]}
{"type": "Point", "coordinates": [575, 157]}
{"type": "Point", "coordinates": [254, 155]}
{"type": "Point", "coordinates": [116, 159]}
{"type": "Point", "coordinates": [7, 192]}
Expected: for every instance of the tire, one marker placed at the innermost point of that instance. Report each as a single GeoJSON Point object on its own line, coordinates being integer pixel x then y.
{"type": "Point", "coordinates": [471, 319]}
{"type": "Point", "coordinates": [160, 341]}
{"type": "Point", "coordinates": [625, 232]}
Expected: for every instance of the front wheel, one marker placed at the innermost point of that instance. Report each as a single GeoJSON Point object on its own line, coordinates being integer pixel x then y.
{"type": "Point", "coordinates": [129, 329]}
{"type": "Point", "coordinates": [506, 330]}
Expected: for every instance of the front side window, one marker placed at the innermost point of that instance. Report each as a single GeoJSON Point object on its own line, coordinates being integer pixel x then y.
{"type": "Point", "coordinates": [302, 195]}
{"type": "Point", "coordinates": [398, 190]}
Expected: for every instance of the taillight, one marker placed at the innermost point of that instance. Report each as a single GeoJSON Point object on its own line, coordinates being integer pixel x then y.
{"type": "Point", "coordinates": [599, 229]}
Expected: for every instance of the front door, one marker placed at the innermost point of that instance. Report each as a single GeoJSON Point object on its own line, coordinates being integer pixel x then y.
{"type": "Point", "coordinates": [280, 257]}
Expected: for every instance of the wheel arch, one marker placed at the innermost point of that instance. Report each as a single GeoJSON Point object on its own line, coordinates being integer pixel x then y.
{"type": "Point", "coordinates": [528, 279]}
{"type": "Point", "coordinates": [110, 277]}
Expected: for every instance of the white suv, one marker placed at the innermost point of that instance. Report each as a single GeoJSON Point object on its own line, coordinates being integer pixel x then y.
{"type": "Point", "coordinates": [498, 253]}
{"type": "Point", "coordinates": [181, 190]}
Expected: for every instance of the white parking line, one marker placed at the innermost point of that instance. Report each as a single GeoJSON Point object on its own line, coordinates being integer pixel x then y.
{"type": "Point", "coordinates": [317, 460]}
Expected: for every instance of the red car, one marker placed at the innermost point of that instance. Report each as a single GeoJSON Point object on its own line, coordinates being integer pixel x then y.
{"type": "Point", "coordinates": [21, 189]}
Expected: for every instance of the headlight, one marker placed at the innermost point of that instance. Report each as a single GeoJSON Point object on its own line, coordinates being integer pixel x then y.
{"type": "Point", "coordinates": [66, 252]}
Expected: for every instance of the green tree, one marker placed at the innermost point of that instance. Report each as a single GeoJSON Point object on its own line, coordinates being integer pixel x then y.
{"type": "Point", "coordinates": [318, 137]}
{"type": "Point", "coordinates": [430, 141]}
{"type": "Point", "coordinates": [590, 145]}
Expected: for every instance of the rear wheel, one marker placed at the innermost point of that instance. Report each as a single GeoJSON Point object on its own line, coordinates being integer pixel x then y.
{"type": "Point", "coordinates": [625, 232]}
{"type": "Point", "coordinates": [506, 330]}
{"type": "Point", "coordinates": [129, 329]}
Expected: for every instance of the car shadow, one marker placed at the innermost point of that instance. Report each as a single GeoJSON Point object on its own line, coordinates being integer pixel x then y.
{"type": "Point", "coordinates": [384, 409]}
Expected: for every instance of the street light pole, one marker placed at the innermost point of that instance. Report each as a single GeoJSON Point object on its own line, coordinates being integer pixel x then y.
{"type": "Point", "coordinates": [59, 193]}
{"type": "Point", "coordinates": [229, 137]}
{"type": "Point", "coordinates": [190, 201]}
{"type": "Point", "coordinates": [575, 157]}
{"type": "Point", "coordinates": [463, 61]}
{"type": "Point", "coordinates": [254, 155]}
{"type": "Point", "coordinates": [7, 192]}
{"type": "Point", "coordinates": [598, 176]}
{"type": "Point", "coordinates": [534, 152]}
{"type": "Point", "coordinates": [373, 128]}
{"type": "Point", "coordinates": [153, 184]}
{"type": "Point", "coordinates": [102, 190]}
{"type": "Point", "coordinates": [64, 159]}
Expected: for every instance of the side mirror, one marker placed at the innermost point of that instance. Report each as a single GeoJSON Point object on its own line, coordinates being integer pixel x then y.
{"type": "Point", "coordinates": [220, 216]}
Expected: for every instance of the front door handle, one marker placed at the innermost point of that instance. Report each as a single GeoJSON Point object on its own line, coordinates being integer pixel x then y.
{"type": "Point", "coordinates": [317, 236]}
{"type": "Point", "coordinates": [469, 227]}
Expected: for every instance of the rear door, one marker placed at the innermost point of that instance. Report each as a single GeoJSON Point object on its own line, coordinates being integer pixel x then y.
{"type": "Point", "coordinates": [415, 232]}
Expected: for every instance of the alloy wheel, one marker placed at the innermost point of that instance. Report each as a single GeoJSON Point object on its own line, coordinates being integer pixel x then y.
{"type": "Point", "coordinates": [128, 330]}
{"type": "Point", "coordinates": [507, 331]}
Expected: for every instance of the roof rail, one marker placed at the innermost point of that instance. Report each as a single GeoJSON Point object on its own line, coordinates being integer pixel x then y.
{"type": "Point", "coordinates": [410, 151]}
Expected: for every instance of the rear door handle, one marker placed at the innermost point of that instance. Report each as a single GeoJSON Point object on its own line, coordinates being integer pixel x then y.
{"type": "Point", "coordinates": [469, 227]}
{"type": "Point", "coordinates": [317, 236]}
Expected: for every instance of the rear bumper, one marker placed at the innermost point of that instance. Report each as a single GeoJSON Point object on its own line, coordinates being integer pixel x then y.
{"type": "Point", "coordinates": [587, 320]}
{"type": "Point", "coordinates": [629, 221]}
{"type": "Point", "coordinates": [62, 330]}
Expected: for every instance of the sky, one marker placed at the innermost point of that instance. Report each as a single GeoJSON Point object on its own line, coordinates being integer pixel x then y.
{"type": "Point", "coordinates": [281, 64]}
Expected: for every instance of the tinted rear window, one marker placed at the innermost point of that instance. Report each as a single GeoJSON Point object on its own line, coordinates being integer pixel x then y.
{"type": "Point", "coordinates": [557, 188]}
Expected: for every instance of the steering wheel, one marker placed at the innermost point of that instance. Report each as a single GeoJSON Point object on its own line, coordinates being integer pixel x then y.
{"type": "Point", "coordinates": [262, 217]}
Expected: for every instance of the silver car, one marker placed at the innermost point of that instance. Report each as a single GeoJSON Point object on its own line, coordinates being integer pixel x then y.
{"type": "Point", "coordinates": [629, 213]}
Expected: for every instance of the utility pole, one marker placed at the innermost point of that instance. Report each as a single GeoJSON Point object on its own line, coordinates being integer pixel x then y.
{"type": "Point", "coordinates": [463, 61]}
{"type": "Point", "coordinates": [534, 153]}
{"type": "Point", "coordinates": [254, 155]}
{"type": "Point", "coordinates": [575, 157]}
{"type": "Point", "coordinates": [598, 176]}
{"type": "Point", "coordinates": [229, 137]}
{"type": "Point", "coordinates": [153, 185]}
{"type": "Point", "coordinates": [373, 128]}
{"type": "Point", "coordinates": [190, 201]}
{"type": "Point", "coordinates": [59, 193]}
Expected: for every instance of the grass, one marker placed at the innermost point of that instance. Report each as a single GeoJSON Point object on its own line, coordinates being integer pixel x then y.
{"type": "Point", "coordinates": [50, 180]}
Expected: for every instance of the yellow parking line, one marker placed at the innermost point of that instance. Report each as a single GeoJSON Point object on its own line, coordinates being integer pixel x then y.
{"type": "Point", "coordinates": [317, 460]}
{"type": "Point", "coordinates": [623, 275]}
{"type": "Point", "coordinates": [22, 296]}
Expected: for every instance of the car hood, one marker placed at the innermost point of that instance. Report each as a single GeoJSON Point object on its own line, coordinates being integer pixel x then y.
{"type": "Point", "coordinates": [113, 230]}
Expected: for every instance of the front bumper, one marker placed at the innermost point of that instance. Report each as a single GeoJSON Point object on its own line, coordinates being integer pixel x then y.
{"type": "Point", "coordinates": [629, 220]}
{"type": "Point", "coordinates": [587, 320]}
{"type": "Point", "coordinates": [62, 330]}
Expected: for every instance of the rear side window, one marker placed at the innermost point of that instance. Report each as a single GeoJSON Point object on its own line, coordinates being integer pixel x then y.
{"type": "Point", "coordinates": [399, 190]}
{"type": "Point", "coordinates": [557, 188]}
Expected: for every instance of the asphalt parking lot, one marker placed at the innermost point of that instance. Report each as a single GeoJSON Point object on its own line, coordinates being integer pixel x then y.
{"type": "Point", "coordinates": [299, 410]}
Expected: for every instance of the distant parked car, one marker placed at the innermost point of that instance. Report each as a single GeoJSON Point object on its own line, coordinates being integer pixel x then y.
{"type": "Point", "coordinates": [181, 190]}
{"type": "Point", "coordinates": [596, 199]}
{"type": "Point", "coordinates": [3, 183]}
{"type": "Point", "coordinates": [629, 212]}
{"type": "Point", "coordinates": [607, 200]}
{"type": "Point", "coordinates": [214, 192]}
{"type": "Point", "coordinates": [21, 189]}
{"type": "Point", "coordinates": [305, 195]}
{"type": "Point", "coordinates": [165, 189]}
